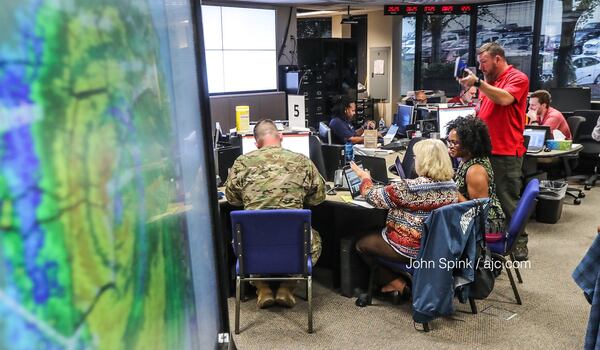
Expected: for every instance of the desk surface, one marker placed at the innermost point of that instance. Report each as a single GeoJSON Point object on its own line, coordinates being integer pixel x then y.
{"type": "Point", "coordinates": [575, 148]}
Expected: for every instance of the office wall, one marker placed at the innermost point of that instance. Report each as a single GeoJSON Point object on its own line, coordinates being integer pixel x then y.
{"type": "Point", "coordinates": [339, 30]}
{"type": "Point", "coordinates": [379, 34]}
{"type": "Point", "coordinates": [262, 104]}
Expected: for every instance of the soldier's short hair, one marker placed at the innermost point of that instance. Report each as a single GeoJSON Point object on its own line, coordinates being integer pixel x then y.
{"type": "Point", "coordinates": [493, 48]}
{"type": "Point", "coordinates": [432, 160]}
{"type": "Point", "coordinates": [263, 128]}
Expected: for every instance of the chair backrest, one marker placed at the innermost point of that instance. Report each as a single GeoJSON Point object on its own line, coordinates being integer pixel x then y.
{"type": "Point", "coordinates": [316, 154]}
{"type": "Point", "coordinates": [274, 241]}
{"type": "Point", "coordinates": [324, 133]}
{"type": "Point", "coordinates": [586, 128]}
{"type": "Point", "coordinates": [408, 162]}
{"type": "Point", "coordinates": [522, 213]}
{"type": "Point", "coordinates": [574, 123]}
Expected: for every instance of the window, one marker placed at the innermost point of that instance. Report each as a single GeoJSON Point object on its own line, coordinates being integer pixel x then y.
{"type": "Point", "coordinates": [311, 28]}
{"type": "Point", "coordinates": [570, 45]}
{"type": "Point", "coordinates": [408, 54]}
{"type": "Point", "coordinates": [240, 49]}
{"type": "Point", "coordinates": [510, 25]}
{"type": "Point", "coordinates": [445, 37]}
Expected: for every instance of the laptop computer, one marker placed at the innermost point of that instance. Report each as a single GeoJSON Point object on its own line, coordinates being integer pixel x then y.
{"type": "Point", "coordinates": [538, 134]}
{"type": "Point", "coordinates": [392, 131]}
{"type": "Point", "coordinates": [399, 168]}
{"type": "Point", "coordinates": [376, 166]}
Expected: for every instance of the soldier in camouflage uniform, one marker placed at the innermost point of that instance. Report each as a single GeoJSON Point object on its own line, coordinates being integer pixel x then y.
{"type": "Point", "coordinates": [275, 178]}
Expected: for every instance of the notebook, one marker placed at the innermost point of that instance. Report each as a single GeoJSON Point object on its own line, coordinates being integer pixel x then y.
{"type": "Point", "coordinates": [538, 134]}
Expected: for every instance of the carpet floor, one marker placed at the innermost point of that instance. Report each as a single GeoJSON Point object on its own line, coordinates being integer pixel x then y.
{"type": "Point", "coordinates": [554, 313]}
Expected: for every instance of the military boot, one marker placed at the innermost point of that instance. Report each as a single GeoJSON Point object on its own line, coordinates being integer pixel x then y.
{"type": "Point", "coordinates": [285, 296]}
{"type": "Point", "coordinates": [521, 251]}
{"type": "Point", "coordinates": [264, 295]}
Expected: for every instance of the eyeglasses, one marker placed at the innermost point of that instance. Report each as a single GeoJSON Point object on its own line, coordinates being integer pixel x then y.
{"type": "Point", "coordinates": [452, 143]}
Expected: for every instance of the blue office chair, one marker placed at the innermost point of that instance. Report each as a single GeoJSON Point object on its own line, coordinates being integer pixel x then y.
{"type": "Point", "coordinates": [480, 215]}
{"type": "Point", "coordinates": [503, 245]}
{"type": "Point", "coordinates": [275, 245]}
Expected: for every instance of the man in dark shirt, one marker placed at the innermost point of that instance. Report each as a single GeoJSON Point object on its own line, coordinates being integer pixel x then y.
{"type": "Point", "coordinates": [341, 127]}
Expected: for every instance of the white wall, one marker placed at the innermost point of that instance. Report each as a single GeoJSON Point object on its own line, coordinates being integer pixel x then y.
{"type": "Point", "coordinates": [339, 30]}
{"type": "Point", "coordinates": [379, 34]}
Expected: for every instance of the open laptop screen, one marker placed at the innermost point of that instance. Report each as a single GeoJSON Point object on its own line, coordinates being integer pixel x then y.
{"type": "Point", "coordinates": [399, 168]}
{"type": "Point", "coordinates": [537, 138]}
{"type": "Point", "coordinates": [294, 142]}
{"type": "Point", "coordinates": [391, 133]}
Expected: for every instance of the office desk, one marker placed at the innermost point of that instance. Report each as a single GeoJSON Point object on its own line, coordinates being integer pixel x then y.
{"type": "Point", "coordinates": [575, 148]}
{"type": "Point", "coordinates": [533, 159]}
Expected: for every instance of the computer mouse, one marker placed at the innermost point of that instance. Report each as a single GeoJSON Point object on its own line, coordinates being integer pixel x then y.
{"type": "Point", "coordinates": [546, 149]}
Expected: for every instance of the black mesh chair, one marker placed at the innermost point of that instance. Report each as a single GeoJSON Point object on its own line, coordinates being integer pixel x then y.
{"type": "Point", "coordinates": [591, 148]}
{"type": "Point", "coordinates": [571, 162]}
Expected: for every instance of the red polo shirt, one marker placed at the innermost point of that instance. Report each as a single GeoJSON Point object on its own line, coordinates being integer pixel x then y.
{"type": "Point", "coordinates": [506, 123]}
{"type": "Point", "coordinates": [555, 120]}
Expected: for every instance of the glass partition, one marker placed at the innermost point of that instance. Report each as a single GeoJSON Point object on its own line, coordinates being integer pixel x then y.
{"type": "Point", "coordinates": [570, 45]}
{"type": "Point", "coordinates": [445, 37]}
{"type": "Point", "coordinates": [105, 239]}
{"type": "Point", "coordinates": [510, 25]}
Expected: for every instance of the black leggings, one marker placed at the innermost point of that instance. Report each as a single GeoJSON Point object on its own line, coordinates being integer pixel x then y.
{"type": "Point", "coordinates": [373, 245]}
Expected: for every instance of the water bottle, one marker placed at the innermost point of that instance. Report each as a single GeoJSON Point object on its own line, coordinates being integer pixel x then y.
{"type": "Point", "coordinates": [349, 152]}
{"type": "Point", "coordinates": [381, 124]}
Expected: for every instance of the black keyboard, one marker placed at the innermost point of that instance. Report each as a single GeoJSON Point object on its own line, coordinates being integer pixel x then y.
{"type": "Point", "coordinates": [395, 146]}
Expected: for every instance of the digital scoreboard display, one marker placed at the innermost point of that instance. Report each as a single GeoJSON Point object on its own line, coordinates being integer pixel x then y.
{"type": "Point", "coordinates": [412, 10]}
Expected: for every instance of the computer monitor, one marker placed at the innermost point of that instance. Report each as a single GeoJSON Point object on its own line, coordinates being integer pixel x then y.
{"type": "Point", "coordinates": [571, 98]}
{"type": "Point", "coordinates": [404, 116]}
{"type": "Point", "coordinates": [324, 133]}
{"type": "Point", "coordinates": [294, 142]}
{"type": "Point", "coordinates": [225, 157]}
{"type": "Point", "coordinates": [446, 115]}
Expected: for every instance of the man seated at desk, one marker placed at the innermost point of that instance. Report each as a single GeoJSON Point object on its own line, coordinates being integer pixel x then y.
{"type": "Point", "coordinates": [466, 97]}
{"type": "Point", "coordinates": [540, 113]}
{"type": "Point", "coordinates": [272, 177]}
{"type": "Point", "coordinates": [341, 127]}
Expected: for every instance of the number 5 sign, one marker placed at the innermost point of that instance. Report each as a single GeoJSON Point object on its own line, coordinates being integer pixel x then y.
{"type": "Point", "coordinates": [296, 112]}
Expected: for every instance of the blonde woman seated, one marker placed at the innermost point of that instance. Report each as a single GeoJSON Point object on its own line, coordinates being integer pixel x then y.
{"type": "Point", "coordinates": [409, 202]}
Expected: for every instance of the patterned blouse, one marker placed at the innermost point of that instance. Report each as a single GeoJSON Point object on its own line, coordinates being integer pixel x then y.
{"type": "Point", "coordinates": [496, 219]}
{"type": "Point", "coordinates": [409, 202]}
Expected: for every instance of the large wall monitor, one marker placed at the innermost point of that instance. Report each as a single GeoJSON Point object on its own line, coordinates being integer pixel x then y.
{"type": "Point", "coordinates": [571, 99]}
{"type": "Point", "coordinates": [446, 115]}
{"type": "Point", "coordinates": [294, 142]}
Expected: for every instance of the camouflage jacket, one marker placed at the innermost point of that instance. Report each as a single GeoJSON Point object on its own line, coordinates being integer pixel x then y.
{"type": "Point", "coordinates": [274, 178]}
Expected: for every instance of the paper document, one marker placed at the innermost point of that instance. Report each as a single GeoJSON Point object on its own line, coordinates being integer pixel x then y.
{"type": "Point", "coordinates": [378, 67]}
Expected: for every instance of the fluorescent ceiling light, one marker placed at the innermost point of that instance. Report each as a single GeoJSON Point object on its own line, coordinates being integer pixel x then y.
{"type": "Point", "coordinates": [315, 13]}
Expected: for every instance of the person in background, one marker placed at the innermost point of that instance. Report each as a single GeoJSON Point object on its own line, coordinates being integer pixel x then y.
{"type": "Point", "coordinates": [466, 97]}
{"type": "Point", "coordinates": [596, 131]}
{"type": "Point", "coordinates": [341, 127]}
{"type": "Point", "coordinates": [272, 177]}
{"type": "Point", "coordinates": [469, 140]}
{"type": "Point", "coordinates": [540, 113]}
{"type": "Point", "coordinates": [503, 103]}
{"type": "Point", "coordinates": [409, 203]}
{"type": "Point", "coordinates": [420, 98]}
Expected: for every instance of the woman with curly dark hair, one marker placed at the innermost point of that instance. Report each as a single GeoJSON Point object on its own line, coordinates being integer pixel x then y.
{"type": "Point", "coordinates": [469, 140]}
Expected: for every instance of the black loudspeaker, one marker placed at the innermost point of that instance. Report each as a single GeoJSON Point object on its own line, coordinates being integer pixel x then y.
{"type": "Point", "coordinates": [428, 126]}
{"type": "Point", "coordinates": [354, 273]}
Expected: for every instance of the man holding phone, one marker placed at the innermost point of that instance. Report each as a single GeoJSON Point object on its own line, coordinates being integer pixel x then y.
{"type": "Point", "coordinates": [502, 107]}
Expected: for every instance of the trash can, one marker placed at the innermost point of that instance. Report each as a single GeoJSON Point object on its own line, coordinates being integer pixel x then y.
{"type": "Point", "coordinates": [550, 201]}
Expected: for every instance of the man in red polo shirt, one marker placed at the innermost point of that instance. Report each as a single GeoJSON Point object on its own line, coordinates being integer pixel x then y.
{"type": "Point", "coordinates": [502, 107]}
{"type": "Point", "coordinates": [541, 113]}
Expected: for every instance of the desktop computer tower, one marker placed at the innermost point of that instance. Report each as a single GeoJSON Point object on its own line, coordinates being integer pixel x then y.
{"type": "Point", "coordinates": [224, 157]}
{"type": "Point", "coordinates": [354, 272]}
